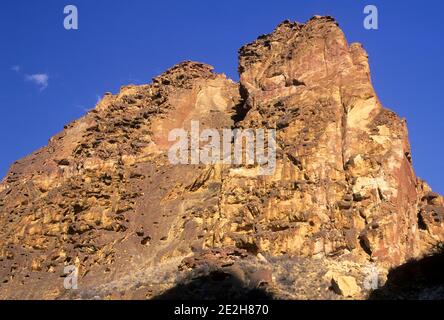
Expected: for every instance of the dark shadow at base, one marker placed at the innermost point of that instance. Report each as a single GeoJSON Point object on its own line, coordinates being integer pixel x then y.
{"type": "Point", "coordinates": [216, 285]}
{"type": "Point", "coordinates": [418, 279]}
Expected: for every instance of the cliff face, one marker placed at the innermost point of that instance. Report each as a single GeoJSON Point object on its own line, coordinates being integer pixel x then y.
{"type": "Point", "coordinates": [103, 195]}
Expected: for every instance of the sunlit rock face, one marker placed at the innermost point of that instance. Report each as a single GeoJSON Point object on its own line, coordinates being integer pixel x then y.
{"type": "Point", "coordinates": [344, 180]}
{"type": "Point", "coordinates": [104, 197]}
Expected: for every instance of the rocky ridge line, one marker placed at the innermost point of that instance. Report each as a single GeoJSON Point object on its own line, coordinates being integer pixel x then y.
{"type": "Point", "coordinates": [344, 199]}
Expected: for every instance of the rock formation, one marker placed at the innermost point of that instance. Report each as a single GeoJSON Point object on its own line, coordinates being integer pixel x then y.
{"type": "Point", "coordinates": [344, 199]}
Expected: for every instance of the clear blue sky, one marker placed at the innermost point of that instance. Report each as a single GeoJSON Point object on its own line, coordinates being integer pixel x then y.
{"type": "Point", "coordinates": [122, 42]}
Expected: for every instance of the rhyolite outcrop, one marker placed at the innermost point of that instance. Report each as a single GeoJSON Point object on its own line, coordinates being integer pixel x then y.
{"type": "Point", "coordinates": [344, 198]}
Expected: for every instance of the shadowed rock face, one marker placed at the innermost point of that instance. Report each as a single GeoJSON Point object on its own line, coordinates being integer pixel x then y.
{"type": "Point", "coordinates": [103, 195]}
{"type": "Point", "coordinates": [420, 279]}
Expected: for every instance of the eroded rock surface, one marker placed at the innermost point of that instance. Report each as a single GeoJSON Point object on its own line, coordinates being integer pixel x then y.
{"type": "Point", "coordinates": [104, 197]}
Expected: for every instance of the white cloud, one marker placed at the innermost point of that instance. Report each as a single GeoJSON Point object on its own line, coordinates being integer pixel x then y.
{"type": "Point", "coordinates": [40, 79]}
{"type": "Point", "coordinates": [15, 69]}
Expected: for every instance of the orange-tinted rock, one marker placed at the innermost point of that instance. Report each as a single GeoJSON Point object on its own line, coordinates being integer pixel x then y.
{"type": "Point", "coordinates": [103, 195]}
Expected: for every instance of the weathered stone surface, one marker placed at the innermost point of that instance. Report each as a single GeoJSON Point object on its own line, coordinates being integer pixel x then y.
{"type": "Point", "coordinates": [103, 195]}
{"type": "Point", "coordinates": [345, 285]}
{"type": "Point", "coordinates": [342, 168]}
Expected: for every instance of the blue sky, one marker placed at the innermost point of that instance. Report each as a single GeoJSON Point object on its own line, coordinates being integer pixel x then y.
{"type": "Point", "coordinates": [49, 76]}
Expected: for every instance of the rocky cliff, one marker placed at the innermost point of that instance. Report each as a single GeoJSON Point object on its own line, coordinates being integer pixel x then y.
{"type": "Point", "coordinates": [342, 207]}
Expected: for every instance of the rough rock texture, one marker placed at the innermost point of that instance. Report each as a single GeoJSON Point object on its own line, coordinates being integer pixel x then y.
{"type": "Point", "coordinates": [103, 195]}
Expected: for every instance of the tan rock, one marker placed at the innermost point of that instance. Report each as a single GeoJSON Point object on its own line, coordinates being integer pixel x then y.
{"type": "Point", "coordinates": [104, 193]}
{"type": "Point", "coordinates": [345, 286]}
